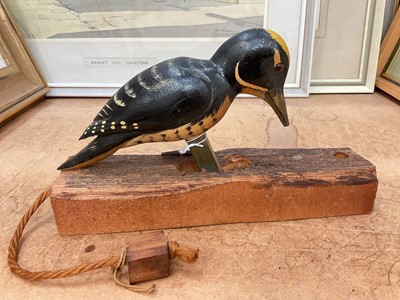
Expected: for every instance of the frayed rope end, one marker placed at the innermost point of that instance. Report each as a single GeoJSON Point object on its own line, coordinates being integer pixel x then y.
{"type": "Point", "coordinates": [183, 253]}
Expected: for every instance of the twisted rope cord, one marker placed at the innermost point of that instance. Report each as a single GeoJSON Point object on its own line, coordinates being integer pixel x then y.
{"type": "Point", "coordinates": [175, 250]}
{"type": "Point", "coordinates": [13, 250]}
{"type": "Point", "coordinates": [185, 254]}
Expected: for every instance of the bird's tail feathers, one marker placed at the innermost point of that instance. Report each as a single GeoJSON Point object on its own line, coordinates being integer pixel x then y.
{"type": "Point", "coordinates": [98, 149]}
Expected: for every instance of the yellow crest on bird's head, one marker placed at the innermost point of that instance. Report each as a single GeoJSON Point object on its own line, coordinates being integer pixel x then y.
{"type": "Point", "coordinates": [279, 40]}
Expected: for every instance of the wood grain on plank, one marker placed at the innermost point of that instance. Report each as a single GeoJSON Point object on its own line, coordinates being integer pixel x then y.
{"type": "Point", "coordinates": [143, 192]}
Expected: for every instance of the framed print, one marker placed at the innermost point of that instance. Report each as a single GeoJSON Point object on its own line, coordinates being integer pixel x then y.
{"type": "Point", "coordinates": [91, 48]}
{"type": "Point", "coordinates": [388, 73]}
{"type": "Point", "coordinates": [21, 85]}
{"type": "Point", "coordinates": [347, 46]}
{"type": "Point", "coordinates": [295, 21]}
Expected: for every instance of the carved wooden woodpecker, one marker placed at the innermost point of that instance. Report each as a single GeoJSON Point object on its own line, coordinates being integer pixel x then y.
{"type": "Point", "coordinates": [183, 97]}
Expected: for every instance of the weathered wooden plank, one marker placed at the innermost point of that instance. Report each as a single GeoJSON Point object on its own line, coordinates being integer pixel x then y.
{"type": "Point", "coordinates": [143, 192]}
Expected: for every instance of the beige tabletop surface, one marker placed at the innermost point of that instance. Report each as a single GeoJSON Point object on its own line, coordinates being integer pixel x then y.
{"type": "Point", "coordinates": [352, 257]}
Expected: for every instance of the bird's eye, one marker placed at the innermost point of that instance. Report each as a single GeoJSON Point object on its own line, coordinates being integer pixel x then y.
{"type": "Point", "coordinates": [279, 67]}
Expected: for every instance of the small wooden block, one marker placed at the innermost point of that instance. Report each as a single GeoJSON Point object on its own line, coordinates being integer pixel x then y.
{"type": "Point", "coordinates": [145, 192]}
{"type": "Point", "coordinates": [147, 257]}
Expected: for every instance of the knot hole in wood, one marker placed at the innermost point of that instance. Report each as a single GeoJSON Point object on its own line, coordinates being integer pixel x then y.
{"type": "Point", "coordinates": [340, 155]}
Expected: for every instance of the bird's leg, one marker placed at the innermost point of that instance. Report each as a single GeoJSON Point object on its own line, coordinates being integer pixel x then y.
{"type": "Point", "coordinates": [190, 144]}
{"type": "Point", "coordinates": [203, 154]}
{"type": "Point", "coordinates": [200, 148]}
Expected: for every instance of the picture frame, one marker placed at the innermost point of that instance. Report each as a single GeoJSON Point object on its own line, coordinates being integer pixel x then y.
{"type": "Point", "coordinates": [388, 71]}
{"type": "Point", "coordinates": [95, 66]}
{"type": "Point", "coordinates": [298, 31]}
{"type": "Point", "coordinates": [7, 63]}
{"type": "Point", "coordinates": [391, 7]}
{"type": "Point", "coordinates": [21, 84]}
{"type": "Point", "coordinates": [346, 54]}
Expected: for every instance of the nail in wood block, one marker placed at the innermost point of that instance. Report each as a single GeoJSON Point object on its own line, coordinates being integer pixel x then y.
{"type": "Point", "coordinates": [147, 257]}
{"type": "Point", "coordinates": [147, 192]}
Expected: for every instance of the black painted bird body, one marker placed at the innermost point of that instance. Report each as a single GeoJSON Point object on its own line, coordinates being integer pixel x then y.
{"type": "Point", "coordinates": [183, 97]}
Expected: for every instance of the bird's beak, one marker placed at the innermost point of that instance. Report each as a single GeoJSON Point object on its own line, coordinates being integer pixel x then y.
{"type": "Point", "coordinates": [276, 100]}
